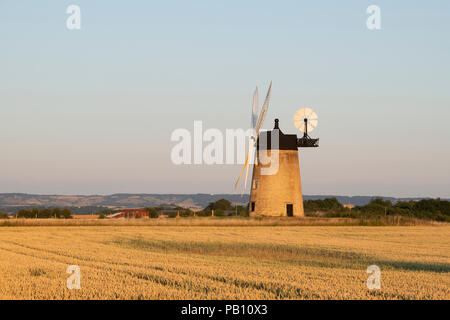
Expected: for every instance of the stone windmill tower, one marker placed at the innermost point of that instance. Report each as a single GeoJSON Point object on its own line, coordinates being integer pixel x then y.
{"type": "Point", "coordinates": [276, 186]}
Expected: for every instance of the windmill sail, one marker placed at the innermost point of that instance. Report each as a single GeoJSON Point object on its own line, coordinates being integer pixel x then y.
{"type": "Point", "coordinates": [256, 125]}
{"type": "Point", "coordinates": [265, 106]}
{"type": "Point", "coordinates": [240, 176]}
{"type": "Point", "coordinates": [250, 156]}
{"type": "Point", "coordinates": [254, 109]}
{"type": "Point", "coordinates": [254, 121]}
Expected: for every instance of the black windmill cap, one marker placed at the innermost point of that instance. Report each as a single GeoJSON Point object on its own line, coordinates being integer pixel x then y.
{"type": "Point", "coordinates": [286, 141]}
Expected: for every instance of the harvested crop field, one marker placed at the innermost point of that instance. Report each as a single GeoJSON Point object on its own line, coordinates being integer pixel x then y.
{"type": "Point", "coordinates": [223, 262]}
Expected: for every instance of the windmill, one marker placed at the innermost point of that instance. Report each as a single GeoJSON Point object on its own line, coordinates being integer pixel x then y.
{"type": "Point", "coordinates": [280, 193]}
{"type": "Point", "coordinates": [255, 125]}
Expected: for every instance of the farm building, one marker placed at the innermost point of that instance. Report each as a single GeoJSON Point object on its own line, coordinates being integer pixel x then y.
{"type": "Point", "coordinates": [130, 213]}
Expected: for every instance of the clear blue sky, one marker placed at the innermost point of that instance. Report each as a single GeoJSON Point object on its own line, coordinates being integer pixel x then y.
{"type": "Point", "coordinates": [92, 110]}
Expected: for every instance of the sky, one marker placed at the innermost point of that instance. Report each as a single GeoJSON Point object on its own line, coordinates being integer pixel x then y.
{"type": "Point", "coordinates": [91, 111]}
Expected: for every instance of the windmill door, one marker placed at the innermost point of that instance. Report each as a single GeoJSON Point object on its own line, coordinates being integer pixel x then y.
{"type": "Point", "coordinates": [290, 210]}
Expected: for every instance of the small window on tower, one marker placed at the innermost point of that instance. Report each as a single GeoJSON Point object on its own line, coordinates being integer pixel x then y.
{"type": "Point", "coordinates": [255, 184]}
{"type": "Point", "coordinates": [252, 206]}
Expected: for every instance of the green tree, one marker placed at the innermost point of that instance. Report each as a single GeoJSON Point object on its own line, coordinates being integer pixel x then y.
{"type": "Point", "coordinates": [57, 213]}
{"type": "Point", "coordinates": [24, 214]}
{"type": "Point", "coordinates": [325, 205]}
{"type": "Point", "coordinates": [66, 213]}
{"type": "Point", "coordinates": [242, 211]}
{"type": "Point", "coordinates": [172, 214]}
{"type": "Point", "coordinates": [152, 213]}
{"type": "Point", "coordinates": [34, 213]}
{"type": "Point", "coordinates": [45, 213]}
{"type": "Point", "coordinates": [204, 213]}
{"type": "Point", "coordinates": [186, 213]}
{"type": "Point", "coordinates": [222, 204]}
{"type": "Point", "coordinates": [219, 213]}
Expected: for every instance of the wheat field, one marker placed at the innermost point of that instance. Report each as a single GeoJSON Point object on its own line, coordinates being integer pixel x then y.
{"type": "Point", "coordinates": [223, 262]}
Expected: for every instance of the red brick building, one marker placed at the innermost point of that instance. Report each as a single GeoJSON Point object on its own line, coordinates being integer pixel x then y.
{"type": "Point", "coordinates": [130, 213]}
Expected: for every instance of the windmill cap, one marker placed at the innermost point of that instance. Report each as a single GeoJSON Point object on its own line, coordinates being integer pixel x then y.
{"type": "Point", "coordinates": [285, 141]}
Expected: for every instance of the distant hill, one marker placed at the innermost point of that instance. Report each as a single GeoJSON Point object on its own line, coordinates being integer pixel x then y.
{"type": "Point", "coordinates": [9, 200]}
{"type": "Point", "coordinates": [116, 200]}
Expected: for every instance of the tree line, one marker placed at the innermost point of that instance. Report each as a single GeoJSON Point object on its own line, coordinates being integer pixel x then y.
{"type": "Point", "coordinates": [45, 213]}
{"type": "Point", "coordinates": [428, 209]}
{"type": "Point", "coordinates": [219, 208]}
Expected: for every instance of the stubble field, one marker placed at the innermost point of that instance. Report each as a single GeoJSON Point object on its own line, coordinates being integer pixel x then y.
{"type": "Point", "coordinates": [223, 262]}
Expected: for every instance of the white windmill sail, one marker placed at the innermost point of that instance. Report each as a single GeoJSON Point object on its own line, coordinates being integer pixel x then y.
{"type": "Point", "coordinates": [254, 109]}
{"type": "Point", "coordinates": [255, 135]}
{"type": "Point", "coordinates": [264, 108]}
